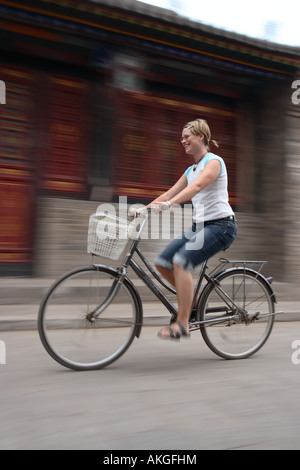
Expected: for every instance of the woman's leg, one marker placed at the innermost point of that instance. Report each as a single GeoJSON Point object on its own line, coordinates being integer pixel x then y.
{"type": "Point", "coordinates": [185, 292]}
{"type": "Point", "coordinates": [202, 246]}
{"type": "Point", "coordinates": [166, 273]}
{"type": "Point", "coordinates": [164, 262]}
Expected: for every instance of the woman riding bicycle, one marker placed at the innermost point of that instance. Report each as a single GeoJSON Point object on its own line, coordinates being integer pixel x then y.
{"type": "Point", "coordinates": [214, 228]}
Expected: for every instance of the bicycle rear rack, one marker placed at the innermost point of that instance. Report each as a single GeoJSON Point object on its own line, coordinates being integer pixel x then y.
{"type": "Point", "coordinates": [252, 264]}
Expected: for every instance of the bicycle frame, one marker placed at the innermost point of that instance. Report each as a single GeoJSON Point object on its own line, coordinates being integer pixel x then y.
{"type": "Point", "coordinates": [154, 287]}
{"type": "Point", "coordinates": [157, 291]}
{"type": "Point", "coordinates": [164, 299]}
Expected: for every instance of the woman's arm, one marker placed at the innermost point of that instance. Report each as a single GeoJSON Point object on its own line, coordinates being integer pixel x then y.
{"type": "Point", "coordinates": [209, 174]}
{"type": "Point", "coordinates": [173, 191]}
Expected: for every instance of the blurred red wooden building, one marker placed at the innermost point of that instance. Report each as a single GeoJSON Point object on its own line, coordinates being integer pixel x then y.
{"type": "Point", "coordinates": [96, 96]}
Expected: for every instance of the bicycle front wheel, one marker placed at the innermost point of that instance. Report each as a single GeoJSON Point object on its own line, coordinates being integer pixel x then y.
{"type": "Point", "coordinates": [237, 312]}
{"type": "Point", "coordinates": [71, 328]}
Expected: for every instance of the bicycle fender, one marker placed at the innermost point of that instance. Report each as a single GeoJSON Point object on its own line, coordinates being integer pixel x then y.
{"type": "Point", "coordinates": [135, 294]}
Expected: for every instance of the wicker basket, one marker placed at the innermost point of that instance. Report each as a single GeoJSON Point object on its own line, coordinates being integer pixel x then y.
{"type": "Point", "coordinates": [107, 236]}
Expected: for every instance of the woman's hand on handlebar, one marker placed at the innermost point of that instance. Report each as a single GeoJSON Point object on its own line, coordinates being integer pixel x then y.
{"type": "Point", "coordinates": [157, 207]}
{"type": "Point", "coordinates": [134, 212]}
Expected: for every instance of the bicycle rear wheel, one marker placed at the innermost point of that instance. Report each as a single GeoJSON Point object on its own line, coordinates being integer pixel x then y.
{"type": "Point", "coordinates": [69, 331]}
{"type": "Point", "coordinates": [239, 309]}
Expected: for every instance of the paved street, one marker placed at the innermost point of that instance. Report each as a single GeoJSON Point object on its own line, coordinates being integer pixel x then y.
{"type": "Point", "coordinates": [160, 395]}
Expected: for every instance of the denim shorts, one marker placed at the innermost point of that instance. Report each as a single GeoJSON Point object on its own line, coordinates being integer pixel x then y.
{"type": "Point", "coordinates": [198, 243]}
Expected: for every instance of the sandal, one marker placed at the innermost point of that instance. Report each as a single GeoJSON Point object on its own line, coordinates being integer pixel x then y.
{"type": "Point", "coordinates": [174, 334]}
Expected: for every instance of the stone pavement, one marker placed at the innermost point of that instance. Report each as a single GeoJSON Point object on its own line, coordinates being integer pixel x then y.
{"type": "Point", "coordinates": [20, 298]}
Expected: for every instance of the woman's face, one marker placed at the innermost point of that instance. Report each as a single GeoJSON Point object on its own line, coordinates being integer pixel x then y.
{"type": "Point", "coordinates": [190, 142]}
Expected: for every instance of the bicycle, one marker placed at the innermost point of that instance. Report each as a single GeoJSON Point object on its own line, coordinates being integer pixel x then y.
{"type": "Point", "coordinates": [90, 316]}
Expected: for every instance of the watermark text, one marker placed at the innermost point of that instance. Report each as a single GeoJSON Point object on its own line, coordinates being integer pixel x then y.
{"type": "Point", "coordinates": [296, 354]}
{"type": "Point", "coordinates": [296, 93]}
{"type": "Point", "coordinates": [2, 92]}
{"type": "Point", "coordinates": [151, 459]}
{"type": "Point", "coordinates": [162, 225]}
{"type": "Point", "coordinates": [2, 352]}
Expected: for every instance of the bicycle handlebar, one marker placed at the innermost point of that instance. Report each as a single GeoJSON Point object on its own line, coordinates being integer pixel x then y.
{"type": "Point", "coordinates": [143, 212]}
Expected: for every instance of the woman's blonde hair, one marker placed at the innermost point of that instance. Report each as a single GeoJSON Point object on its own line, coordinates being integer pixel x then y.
{"type": "Point", "coordinates": [199, 127]}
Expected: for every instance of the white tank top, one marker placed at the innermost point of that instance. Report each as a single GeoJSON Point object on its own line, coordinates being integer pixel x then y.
{"type": "Point", "coordinates": [212, 202]}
